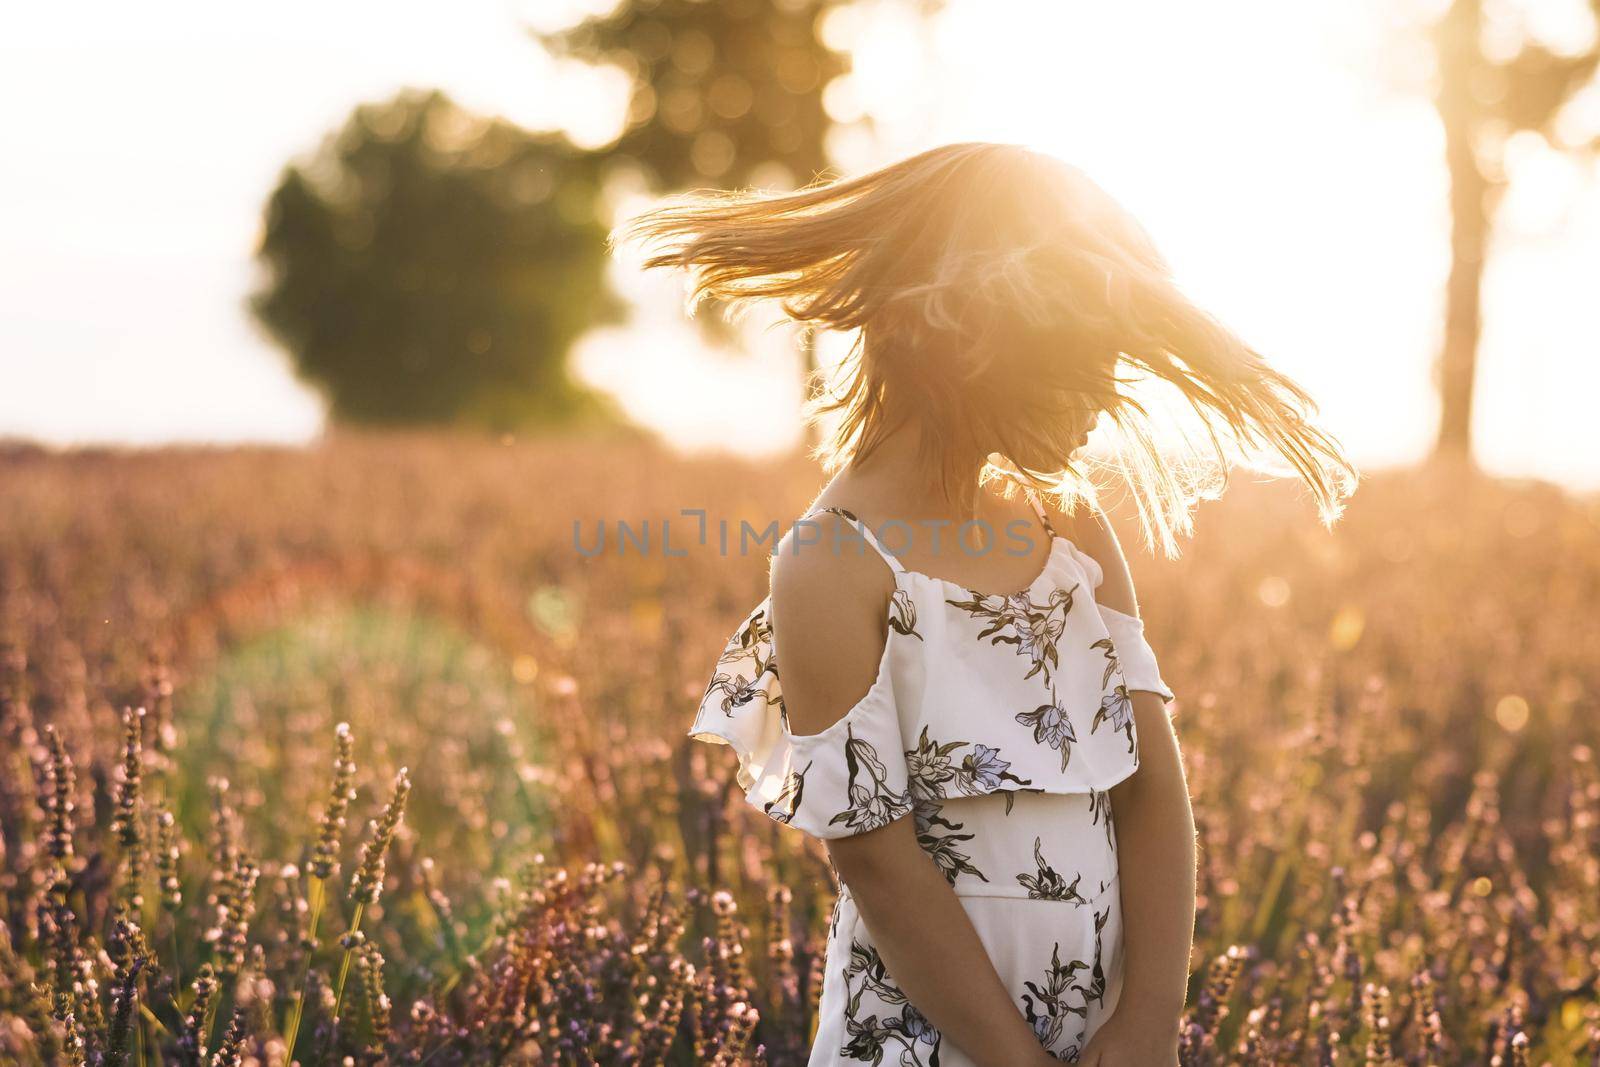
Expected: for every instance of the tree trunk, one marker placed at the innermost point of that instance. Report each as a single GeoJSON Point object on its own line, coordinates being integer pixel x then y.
{"type": "Point", "coordinates": [1463, 319]}
{"type": "Point", "coordinates": [1459, 55]}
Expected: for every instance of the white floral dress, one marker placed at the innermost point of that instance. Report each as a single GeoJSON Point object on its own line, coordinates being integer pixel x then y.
{"type": "Point", "coordinates": [999, 723]}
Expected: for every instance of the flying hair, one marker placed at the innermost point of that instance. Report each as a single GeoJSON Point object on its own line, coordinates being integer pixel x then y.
{"type": "Point", "coordinates": [994, 292]}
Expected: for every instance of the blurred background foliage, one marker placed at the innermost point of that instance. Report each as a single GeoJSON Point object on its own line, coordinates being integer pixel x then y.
{"type": "Point", "coordinates": [727, 93]}
{"type": "Point", "coordinates": [429, 265]}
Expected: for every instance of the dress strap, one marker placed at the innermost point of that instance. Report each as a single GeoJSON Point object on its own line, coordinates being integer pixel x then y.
{"type": "Point", "coordinates": [1039, 510]}
{"type": "Point", "coordinates": [866, 535]}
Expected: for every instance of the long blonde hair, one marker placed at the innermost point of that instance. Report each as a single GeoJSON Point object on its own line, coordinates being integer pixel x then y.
{"type": "Point", "coordinates": [994, 289]}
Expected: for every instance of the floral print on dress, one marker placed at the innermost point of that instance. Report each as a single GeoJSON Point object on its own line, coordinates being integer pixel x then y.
{"type": "Point", "coordinates": [1052, 725]}
{"type": "Point", "coordinates": [1097, 971]}
{"type": "Point", "coordinates": [1116, 707]}
{"type": "Point", "coordinates": [1108, 649]}
{"type": "Point", "coordinates": [1100, 812]}
{"type": "Point", "coordinates": [983, 771]}
{"type": "Point", "coordinates": [941, 840]}
{"type": "Point", "coordinates": [1048, 884]}
{"type": "Point", "coordinates": [932, 772]}
{"type": "Point", "coordinates": [1019, 620]}
{"type": "Point", "coordinates": [1036, 630]}
{"type": "Point", "coordinates": [751, 646]}
{"type": "Point", "coordinates": [934, 775]}
{"type": "Point", "coordinates": [870, 1036]}
{"type": "Point", "coordinates": [873, 803]}
{"type": "Point", "coordinates": [1054, 937]}
{"type": "Point", "coordinates": [1049, 1006]}
{"type": "Point", "coordinates": [782, 807]}
{"type": "Point", "coordinates": [903, 614]}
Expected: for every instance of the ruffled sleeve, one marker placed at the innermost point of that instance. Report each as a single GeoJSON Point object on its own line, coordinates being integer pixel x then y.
{"type": "Point", "coordinates": [848, 779]}
{"type": "Point", "coordinates": [1134, 654]}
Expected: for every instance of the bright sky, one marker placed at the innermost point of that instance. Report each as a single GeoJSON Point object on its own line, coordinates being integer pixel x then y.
{"type": "Point", "coordinates": [1277, 152]}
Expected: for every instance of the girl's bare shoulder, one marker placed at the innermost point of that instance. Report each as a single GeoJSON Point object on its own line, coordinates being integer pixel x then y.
{"type": "Point", "coordinates": [829, 620]}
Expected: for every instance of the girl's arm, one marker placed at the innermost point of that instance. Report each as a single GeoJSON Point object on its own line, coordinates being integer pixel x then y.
{"type": "Point", "coordinates": [828, 616]}
{"type": "Point", "coordinates": [1155, 854]}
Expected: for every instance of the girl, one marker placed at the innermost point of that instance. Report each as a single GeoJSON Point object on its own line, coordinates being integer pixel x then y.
{"type": "Point", "coordinates": [980, 735]}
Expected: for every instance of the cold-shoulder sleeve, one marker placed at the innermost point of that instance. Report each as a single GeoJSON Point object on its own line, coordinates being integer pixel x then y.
{"type": "Point", "coordinates": [1137, 658]}
{"type": "Point", "coordinates": [848, 779]}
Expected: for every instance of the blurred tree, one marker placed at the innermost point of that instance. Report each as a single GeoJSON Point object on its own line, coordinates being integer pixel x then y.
{"type": "Point", "coordinates": [725, 92]}
{"type": "Point", "coordinates": [1485, 92]}
{"type": "Point", "coordinates": [728, 93]}
{"type": "Point", "coordinates": [428, 265]}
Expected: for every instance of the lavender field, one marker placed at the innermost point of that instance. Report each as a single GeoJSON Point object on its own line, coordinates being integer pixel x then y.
{"type": "Point", "coordinates": [348, 756]}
